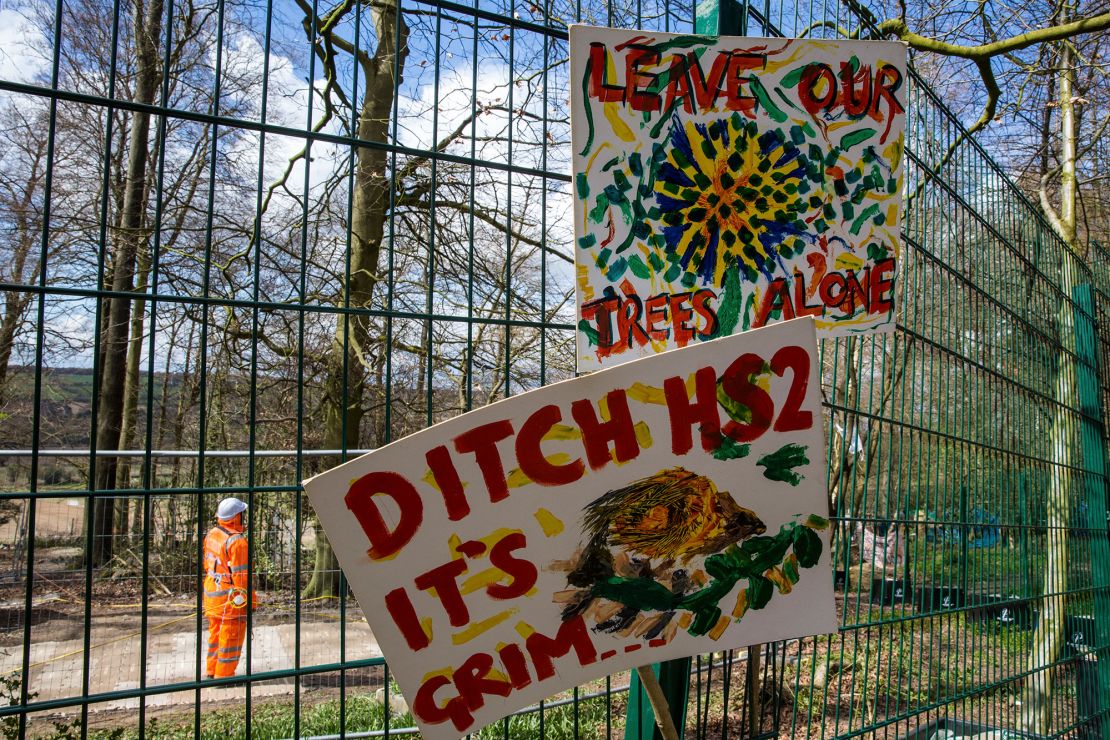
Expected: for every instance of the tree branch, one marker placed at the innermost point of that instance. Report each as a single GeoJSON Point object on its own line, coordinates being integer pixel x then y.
{"type": "Point", "coordinates": [982, 54]}
{"type": "Point", "coordinates": [897, 27]}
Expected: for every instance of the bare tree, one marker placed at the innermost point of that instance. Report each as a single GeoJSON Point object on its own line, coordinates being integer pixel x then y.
{"type": "Point", "coordinates": [21, 189]}
{"type": "Point", "coordinates": [1062, 33]}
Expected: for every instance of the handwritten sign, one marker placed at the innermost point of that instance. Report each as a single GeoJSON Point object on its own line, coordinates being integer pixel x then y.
{"type": "Point", "coordinates": [726, 183]}
{"type": "Point", "coordinates": [668, 507]}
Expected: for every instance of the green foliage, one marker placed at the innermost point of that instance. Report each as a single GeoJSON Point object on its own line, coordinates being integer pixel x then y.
{"type": "Point", "coordinates": [71, 730]}
{"type": "Point", "coordinates": [11, 687]}
{"type": "Point", "coordinates": [558, 723]}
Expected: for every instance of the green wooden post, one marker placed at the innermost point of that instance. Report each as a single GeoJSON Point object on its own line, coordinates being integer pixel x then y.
{"type": "Point", "coordinates": [1094, 490]}
{"type": "Point", "coordinates": [711, 18]}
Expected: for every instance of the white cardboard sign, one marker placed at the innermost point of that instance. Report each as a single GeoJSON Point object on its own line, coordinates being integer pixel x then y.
{"type": "Point", "coordinates": [668, 507]}
{"type": "Point", "coordinates": [724, 183]}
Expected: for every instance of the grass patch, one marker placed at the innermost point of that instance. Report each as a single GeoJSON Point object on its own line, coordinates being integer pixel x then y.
{"type": "Point", "coordinates": [363, 713]}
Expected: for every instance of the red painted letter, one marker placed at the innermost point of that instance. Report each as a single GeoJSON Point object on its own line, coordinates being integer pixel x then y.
{"type": "Point", "coordinates": [442, 579]}
{"type": "Point", "coordinates": [737, 385]}
{"type": "Point", "coordinates": [471, 679]}
{"type": "Point", "coordinates": [447, 478]}
{"type": "Point", "coordinates": [543, 649]}
{"type": "Point", "coordinates": [523, 572]}
{"type": "Point", "coordinates": [482, 441]}
{"type": "Point", "coordinates": [680, 318]}
{"type": "Point", "coordinates": [530, 457]}
{"type": "Point", "coordinates": [596, 435]}
{"type": "Point", "coordinates": [599, 87]}
{"type": "Point", "coordinates": [638, 93]}
{"type": "Point", "coordinates": [399, 606]}
{"type": "Point", "coordinates": [360, 500]}
{"type": "Point", "coordinates": [703, 309]}
{"type": "Point", "coordinates": [703, 411]}
{"type": "Point", "coordinates": [882, 286]}
{"type": "Point", "coordinates": [813, 75]}
{"type": "Point", "coordinates": [425, 707]}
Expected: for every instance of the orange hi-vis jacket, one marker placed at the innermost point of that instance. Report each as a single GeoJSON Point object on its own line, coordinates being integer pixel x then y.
{"type": "Point", "coordinates": [225, 562]}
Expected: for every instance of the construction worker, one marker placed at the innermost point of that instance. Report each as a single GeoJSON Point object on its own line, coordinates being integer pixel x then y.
{"type": "Point", "coordinates": [226, 588]}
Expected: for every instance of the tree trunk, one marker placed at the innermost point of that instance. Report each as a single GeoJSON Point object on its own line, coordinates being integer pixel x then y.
{"type": "Point", "coordinates": [148, 34]}
{"type": "Point", "coordinates": [344, 386]}
{"type": "Point", "coordinates": [131, 403]}
{"type": "Point", "coordinates": [14, 306]}
{"type": "Point", "coordinates": [28, 227]}
{"type": "Point", "coordinates": [1049, 635]}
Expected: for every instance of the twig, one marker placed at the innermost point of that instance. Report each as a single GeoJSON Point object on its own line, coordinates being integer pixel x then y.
{"type": "Point", "coordinates": [157, 581]}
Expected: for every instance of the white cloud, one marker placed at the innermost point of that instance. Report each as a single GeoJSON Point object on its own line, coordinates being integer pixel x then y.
{"type": "Point", "coordinates": [286, 105]}
{"type": "Point", "coordinates": [23, 54]}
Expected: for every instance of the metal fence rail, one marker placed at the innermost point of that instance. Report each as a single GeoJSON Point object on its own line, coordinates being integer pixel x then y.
{"type": "Point", "coordinates": [323, 245]}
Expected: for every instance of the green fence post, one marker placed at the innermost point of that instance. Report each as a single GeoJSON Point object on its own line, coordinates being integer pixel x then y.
{"type": "Point", "coordinates": [1094, 490]}
{"type": "Point", "coordinates": [711, 18]}
{"type": "Point", "coordinates": [674, 678]}
{"type": "Point", "coordinates": [965, 535]}
{"type": "Point", "coordinates": [1023, 538]}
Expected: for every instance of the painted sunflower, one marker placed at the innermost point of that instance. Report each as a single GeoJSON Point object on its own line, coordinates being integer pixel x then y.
{"type": "Point", "coordinates": [727, 194]}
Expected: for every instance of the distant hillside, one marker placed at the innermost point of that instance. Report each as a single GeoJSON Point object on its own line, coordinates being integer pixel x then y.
{"type": "Point", "coordinates": [66, 405]}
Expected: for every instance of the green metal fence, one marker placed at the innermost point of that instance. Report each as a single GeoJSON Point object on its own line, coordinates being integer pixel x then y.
{"type": "Point", "coordinates": [245, 239]}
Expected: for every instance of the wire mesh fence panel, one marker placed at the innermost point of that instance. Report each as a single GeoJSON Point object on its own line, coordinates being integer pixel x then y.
{"type": "Point", "coordinates": [244, 240]}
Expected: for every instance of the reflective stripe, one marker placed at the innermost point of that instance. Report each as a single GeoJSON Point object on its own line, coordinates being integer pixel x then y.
{"type": "Point", "coordinates": [225, 592]}
{"type": "Point", "coordinates": [228, 660]}
{"type": "Point", "coordinates": [233, 538]}
{"type": "Point", "coordinates": [239, 568]}
{"type": "Point", "coordinates": [229, 650]}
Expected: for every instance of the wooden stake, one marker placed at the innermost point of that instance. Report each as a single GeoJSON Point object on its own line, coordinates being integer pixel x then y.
{"type": "Point", "coordinates": [659, 705]}
{"type": "Point", "coordinates": [755, 705]}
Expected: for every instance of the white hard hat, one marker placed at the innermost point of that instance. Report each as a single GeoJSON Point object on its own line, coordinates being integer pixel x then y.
{"type": "Point", "coordinates": [229, 507]}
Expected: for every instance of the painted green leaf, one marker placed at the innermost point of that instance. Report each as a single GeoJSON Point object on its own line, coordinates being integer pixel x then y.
{"type": "Point", "coordinates": [794, 76]}
{"type": "Point", "coordinates": [813, 521]}
{"type": "Point", "coordinates": [639, 269]}
{"type": "Point", "coordinates": [704, 620]}
{"type": "Point", "coordinates": [731, 297]}
{"type": "Point", "coordinates": [779, 464]}
{"type": "Point", "coordinates": [856, 137]}
{"type": "Point", "coordinates": [760, 591]}
{"type": "Point", "coordinates": [730, 450]}
{"type": "Point", "coordinates": [587, 328]}
{"type": "Point", "coordinates": [807, 547]}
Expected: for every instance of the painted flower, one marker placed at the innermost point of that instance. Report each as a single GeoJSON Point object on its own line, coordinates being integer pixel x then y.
{"type": "Point", "coordinates": [727, 194]}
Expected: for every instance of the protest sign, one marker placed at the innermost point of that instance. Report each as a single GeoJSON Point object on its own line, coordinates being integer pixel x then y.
{"type": "Point", "coordinates": [664, 508]}
{"type": "Point", "coordinates": [724, 183]}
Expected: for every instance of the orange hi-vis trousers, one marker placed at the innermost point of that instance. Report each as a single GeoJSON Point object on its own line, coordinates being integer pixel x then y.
{"type": "Point", "coordinates": [225, 642]}
{"type": "Point", "coordinates": [225, 596]}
